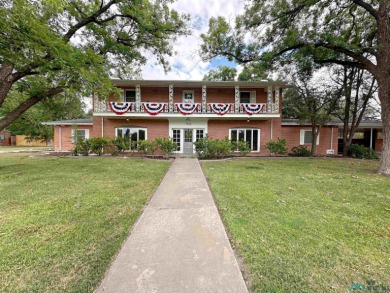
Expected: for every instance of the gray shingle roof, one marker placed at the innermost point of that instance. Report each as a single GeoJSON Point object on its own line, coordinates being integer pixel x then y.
{"type": "Point", "coordinates": [87, 121]}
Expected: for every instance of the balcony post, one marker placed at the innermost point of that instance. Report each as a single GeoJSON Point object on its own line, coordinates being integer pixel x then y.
{"type": "Point", "coordinates": [237, 99]}
{"type": "Point", "coordinates": [204, 97]}
{"type": "Point", "coordinates": [137, 98]}
{"type": "Point", "coordinates": [269, 99]}
{"type": "Point", "coordinates": [277, 95]}
{"type": "Point", "coordinates": [170, 103]}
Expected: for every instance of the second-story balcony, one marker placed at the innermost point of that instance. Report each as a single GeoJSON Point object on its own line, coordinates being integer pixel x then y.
{"type": "Point", "coordinates": [107, 108]}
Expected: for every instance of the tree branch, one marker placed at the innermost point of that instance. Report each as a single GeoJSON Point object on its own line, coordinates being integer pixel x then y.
{"type": "Point", "coordinates": [367, 7]}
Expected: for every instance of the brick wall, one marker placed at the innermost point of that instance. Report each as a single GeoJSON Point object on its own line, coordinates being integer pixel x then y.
{"type": "Point", "coordinates": [292, 136]}
{"type": "Point", "coordinates": [66, 143]}
{"type": "Point", "coordinates": [7, 138]}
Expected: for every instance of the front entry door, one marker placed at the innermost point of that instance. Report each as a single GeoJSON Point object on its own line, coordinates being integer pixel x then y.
{"type": "Point", "coordinates": [188, 146]}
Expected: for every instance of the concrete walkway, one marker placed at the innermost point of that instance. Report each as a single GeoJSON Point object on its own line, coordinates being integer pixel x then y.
{"type": "Point", "coordinates": [179, 243]}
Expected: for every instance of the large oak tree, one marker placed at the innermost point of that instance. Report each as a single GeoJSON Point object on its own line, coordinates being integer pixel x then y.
{"type": "Point", "coordinates": [345, 32]}
{"type": "Point", "coordinates": [48, 47]}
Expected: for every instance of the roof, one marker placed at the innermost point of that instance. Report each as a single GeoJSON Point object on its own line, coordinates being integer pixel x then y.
{"type": "Point", "coordinates": [70, 122]}
{"type": "Point", "coordinates": [365, 124]}
{"type": "Point", "coordinates": [296, 122]}
{"type": "Point", "coordinates": [199, 83]}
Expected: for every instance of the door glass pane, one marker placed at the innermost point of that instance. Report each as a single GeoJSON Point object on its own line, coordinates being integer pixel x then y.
{"type": "Point", "coordinates": [187, 135]}
{"type": "Point", "coordinates": [176, 138]}
{"type": "Point", "coordinates": [245, 97]}
{"type": "Point", "coordinates": [129, 96]}
{"type": "Point", "coordinates": [255, 139]}
{"type": "Point", "coordinates": [248, 137]}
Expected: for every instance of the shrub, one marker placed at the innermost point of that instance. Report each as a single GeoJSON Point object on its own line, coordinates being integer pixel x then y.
{"type": "Point", "coordinates": [98, 144]}
{"type": "Point", "coordinates": [81, 148]}
{"type": "Point", "coordinates": [147, 147]}
{"type": "Point", "coordinates": [121, 143]}
{"type": "Point", "coordinates": [362, 152]}
{"type": "Point", "coordinates": [300, 151]}
{"type": "Point", "coordinates": [207, 148]}
{"type": "Point", "coordinates": [277, 147]}
{"type": "Point", "coordinates": [166, 145]}
{"type": "Point", "coordinates": [242, 147]}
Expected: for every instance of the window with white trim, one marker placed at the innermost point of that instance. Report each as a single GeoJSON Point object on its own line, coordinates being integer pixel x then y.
{"type": "Point", "coordinates": [188, 97]}
{"type": "Point", "coordinates": [2, 137]}
{"type": "Point", "coordinates": [129, 96]}
{"type": "Point", "coordinates": [135, 134]}
{"type": "Point", "coordinates": [306, 137]}
{"type": "Point", "coordinates": [247, 97]}
{"type": "Point", "coordinates": [250, 135]}
{"type": "Point", "coordinates": [79, 135]}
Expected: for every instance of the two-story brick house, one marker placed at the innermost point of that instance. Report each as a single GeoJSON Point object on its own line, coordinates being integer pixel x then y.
{"type": "Point", "coordinates": [189, 110]}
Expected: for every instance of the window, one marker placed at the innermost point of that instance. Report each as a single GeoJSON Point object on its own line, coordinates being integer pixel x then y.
{"type": "Point", "coordinates": [199, 134]}
{"type": "Point", "coordinates": [251, 136]}
{"type": "Point", "coordinates": [135, 134]}
{"type": "Point", "coordinates": [306, 137]}
{"type": "Point", "coordinates": [188, 97]}
{"type": "Point", "coordinates": [248, 97]}
{"type": "Point", "coordinates": [2, 136]}
{"type": "Point", "coordinates": [129, 96]}
{"type": "Point", "coordinates": [79, 134]}
{"type": "Point", "coordinates": [245, 97]}
{"type": "Point", "coordinates": [176, 138]}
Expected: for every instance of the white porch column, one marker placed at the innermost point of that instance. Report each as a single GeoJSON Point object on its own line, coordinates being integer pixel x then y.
{"type": "Point", "coordinates": [371, 136]}
{"type": "Point", "coordinates": [137, 98]}
{"type": "Point", "coordinates": [204, 97]}
{"type": "Point", "coordinates": [277, 95]}
{"type": "Point", "coordinates": [269, 99]}
{"type": "Point", "coordinates": [237, 99]}
{"type": "Point", "coordinates": [170, 103]}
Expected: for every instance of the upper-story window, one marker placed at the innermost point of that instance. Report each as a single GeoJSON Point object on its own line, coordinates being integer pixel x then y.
{"type": "Point", "coordinates": [129, 96]}
{"type": "Point", "coordinates": [188, 97]}
{"type": "Point", "coordinates": [247, 97]}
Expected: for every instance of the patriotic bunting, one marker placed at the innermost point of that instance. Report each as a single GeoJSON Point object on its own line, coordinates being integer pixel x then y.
{"type": "Point", "coordinates": [120, 108]}
{"type": "Point", "coordinates": [186, 109]}
{"type": "Point", "coordinates": [251, 109]}
{"type": "Point", "coordinates": [220, 109]}
{"type": "Point", "coordinates": [154, 108]}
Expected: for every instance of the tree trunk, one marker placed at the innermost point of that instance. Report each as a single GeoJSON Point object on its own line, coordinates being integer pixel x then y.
{"type": "Point", "coordinates": [384, 95]}
{"type": "Point", "coordinates": [314, 140]}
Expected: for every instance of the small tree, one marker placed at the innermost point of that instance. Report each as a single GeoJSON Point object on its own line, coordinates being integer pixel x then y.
{"type": "Point", "coordinates": [166, 145]}
{"type": "Point", "coordinates": [147, 147]}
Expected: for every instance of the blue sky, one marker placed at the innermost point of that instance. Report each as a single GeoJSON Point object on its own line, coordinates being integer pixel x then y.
{"type": "Point", "coordinates": [186, 63]}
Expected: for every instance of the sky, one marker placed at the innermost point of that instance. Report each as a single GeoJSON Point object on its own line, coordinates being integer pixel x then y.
{"type": "Point", "coordinates": [186, 63]}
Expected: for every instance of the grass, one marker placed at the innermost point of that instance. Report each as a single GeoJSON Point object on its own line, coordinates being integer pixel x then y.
{"type": "Point", "coordinates": [305, 225]}
{"type": "Point", "coordinates": [64, 219]}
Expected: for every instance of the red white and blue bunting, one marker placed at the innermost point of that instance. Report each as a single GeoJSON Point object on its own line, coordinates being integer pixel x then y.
{"type": "Point", "coordinates": [120, 108]}
{"type": "Point", "coordinates": [154, 108]}
{"type": "Point", "coordinates": [251, 109]}
{"type": "Point", "coordinates": [220, 109]}
{"type": "Point", "coordinates": [186, 108]}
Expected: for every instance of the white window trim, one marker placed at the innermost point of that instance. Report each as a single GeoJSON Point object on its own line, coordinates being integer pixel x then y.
{"type": "Point", "coordinates": [186, 92]}
{"type": "Point", "coordinates": [302, 137]}
{"type": "Point", "coordinates": [128, 90]}
{"type": "Point", "coordinates": [2, 136]}
{"type": "Point", "coordinates": [252, 96]}
{"type": "Point", "coordinates": [258, 138]}
{"type": "Point", "coordinates": [86, 133]}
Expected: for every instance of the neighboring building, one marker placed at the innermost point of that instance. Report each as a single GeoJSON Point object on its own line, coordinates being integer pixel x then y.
{"type": "Point", "coordinates": [189, 110]}
{"type": "Point", "coordinates": [5, 138]}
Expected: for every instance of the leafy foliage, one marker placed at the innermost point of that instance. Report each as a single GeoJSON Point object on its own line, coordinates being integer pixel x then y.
{"type": "Point", "coordinates": [362, 152]}
{"type": "Point", "coordinates": [300, 151]}
{"type": "Point", "coordinates": [242, 147]}
{"type": "Point", "coordinates": [277, 147]}
{"type": "Point", "coordinates": [98, 144]}
{"type": "Point", "coordinates": [221, 73]}
{"type": "Point", "coordinates": [121, 143]}
{"type": "Point", "coordinates": [50, 47]}
{"type": "Point", "coordinates": [166, 145]}
{"type": "Point", "coordinates": [147, 147]}
{"type": "Point", "coordinates": [207, 148]}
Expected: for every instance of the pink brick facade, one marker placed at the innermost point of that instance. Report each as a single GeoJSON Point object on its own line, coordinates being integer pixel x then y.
{"type": "Point", "coordinates": [268, 123]}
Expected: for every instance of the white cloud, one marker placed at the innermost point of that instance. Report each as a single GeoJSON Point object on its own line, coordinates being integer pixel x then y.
{"type": "Point", "coordinates": [186, 63]}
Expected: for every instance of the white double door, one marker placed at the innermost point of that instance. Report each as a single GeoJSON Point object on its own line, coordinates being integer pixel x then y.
{"type": "Point", "coordinates": [185, 138]}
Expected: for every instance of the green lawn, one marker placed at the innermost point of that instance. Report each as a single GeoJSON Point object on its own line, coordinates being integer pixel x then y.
{"type": "Point", "coordinates": [64, 219]}
{"type": "Point", "coordinates": [305, 225]}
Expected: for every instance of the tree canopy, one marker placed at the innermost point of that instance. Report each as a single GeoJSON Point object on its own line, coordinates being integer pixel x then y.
{"type": "Point", "coordinates": [50, 47]}
{"type": "Point", "coordinates": [345, 32]}
{"type": "Point", "coordinates": [221, 73]}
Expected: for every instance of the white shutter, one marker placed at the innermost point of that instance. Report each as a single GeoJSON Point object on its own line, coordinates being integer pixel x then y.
{"type": "Point", "coordinates": [302, 137]}
{"type": "Point", "coordinates": [86, 133]}
{"type": "Point", "coordinates": [318, 139]}
{"type": "Point", "coordinates": [253, 97]}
